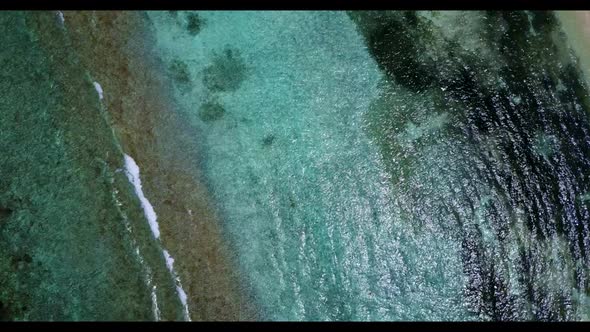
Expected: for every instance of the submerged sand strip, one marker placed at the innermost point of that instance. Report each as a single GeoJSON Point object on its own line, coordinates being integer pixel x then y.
{"type": "Point", "coordinates": [576, 25]}
{"type": "Point", "coordinates": [115, 48]}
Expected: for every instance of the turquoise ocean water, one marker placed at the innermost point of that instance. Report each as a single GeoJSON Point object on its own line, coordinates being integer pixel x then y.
{"type": "Point", "coordinates": [364, 166]}
{"type": "Point", "coordinates": [392, 166]}
{"type": "Point", "coordinates": [301, 188]}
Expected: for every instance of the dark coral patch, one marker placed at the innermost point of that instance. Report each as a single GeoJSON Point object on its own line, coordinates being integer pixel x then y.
{"type": "Point", "coordinates": [179, 71]}
{"type": "Point", "coordinates": [268, 140]}
{"type": "Point", "coordinates": [211, 111]}
{"type": "Point", "coordinates": [194, 24]}
{"type": "Point", "coordinates": [21, 261]}
{"type": "Point", "coordinates": [394, 42]}
{"type": "Point", "coordinates": [4, 312]}
{"type": "Point", "coordinates": [227, 71]}
{"type": "Point", "coordinates": [5, 213]}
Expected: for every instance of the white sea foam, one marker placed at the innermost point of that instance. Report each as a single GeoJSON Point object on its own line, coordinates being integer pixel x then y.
{"type": "Point", "coordinates": [182, 296]}
{"type": "Point", "coordinates": [155, 308]}
{"type": "Point", "coordinates": [181, 293]}
{"type": "Point", "coordinates": [132, 171]}
{"type": "Point", "coordinates": [169, 260]}
{"type": "Point", "coordinates": [150, 284]}
{"type": "Point", "coordinates": [60, 16]}
{"type": "Point", "coordinates": [98, 89]}
{"type": "Point", "coordinates": [146, 268]}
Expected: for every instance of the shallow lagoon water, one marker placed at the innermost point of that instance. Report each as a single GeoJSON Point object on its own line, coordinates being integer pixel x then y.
{"type": "Point", "coordinates": [301, 187]}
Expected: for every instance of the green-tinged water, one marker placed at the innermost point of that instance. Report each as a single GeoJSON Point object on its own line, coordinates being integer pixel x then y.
{"type": "Point", "coordinates": [67, 250]}
{"type": "Point", "coordinates": [364, 166]}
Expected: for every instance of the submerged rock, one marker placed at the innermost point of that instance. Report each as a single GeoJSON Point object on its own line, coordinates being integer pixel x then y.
{"type": "Point", "coordinates": [5, 213]}
{"type": "Point", "coordinates": [226, 73]}
{"type": "Point", "coordinates": [514, 140]}
{"type": "Point", "coordinates": [211, 111]}
{"type": "Point", "coordinates": [180, 72]}
{"type": "Point", "coordinates": [268, 140]}
{"type": "Point", "coordinates": [394, 41]}
{"type": "Point", "coordinates": [194, 24]}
